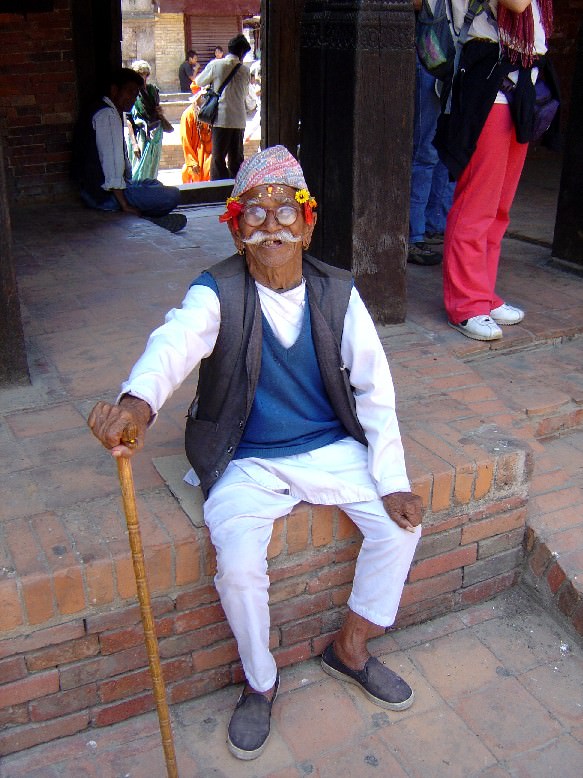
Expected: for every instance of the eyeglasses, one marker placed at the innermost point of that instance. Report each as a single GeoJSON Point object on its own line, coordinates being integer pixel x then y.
{"type": "Point", "coordinates": [255, 215]}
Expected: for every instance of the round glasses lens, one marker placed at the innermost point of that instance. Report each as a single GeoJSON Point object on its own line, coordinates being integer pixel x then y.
{"type": "Point", "coordinates": [286, 215]}
{"type": "Point", "coordinates": [254, 215]}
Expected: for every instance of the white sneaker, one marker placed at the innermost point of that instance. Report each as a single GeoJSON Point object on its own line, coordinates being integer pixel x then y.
{"type": "Point", "coordinates": [479, 328]}
{"type": "Point", "coordinates": [507, 314]}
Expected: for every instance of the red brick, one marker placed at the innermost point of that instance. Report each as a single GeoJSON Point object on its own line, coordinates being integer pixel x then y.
{"type": "Point", "coordinates": [429, 568]}
{"type": "Point", "coordinates": [63, 653]}
{"type": "Point", "coordinates": [125, 578]}
{"type": "Point", "coordinates": [323, 525]}
{"type": "Point", "coordinates": [21, 738]}
{"type": "Point", "coordinates": [112, 642]}
{"type": "Point", "coordinates": [539, 559]}
{"type": "Point", "coordinates": [69, 591]}
{"type": "Point", "coordinates": [442, 489]}
{"type": "Point", "coordinates": [431, 587]}
{"type": "Point", "coordinates": [201, 617]}
{"type": "Point", "coordinates": [320, 642]}
{"type": "Point", "coordinates": [12, 669]}
{"type": "Point", "coordinates": [90, 670]}
{"type": "Point", "coordinates": [346, 528]}
{"type": "Point", "coordinates": [202, 595]}
{"type": "Point", "coordinates": [207, 682]}
{"type": "Point", "coordinates": [312, 562]}
{"type": "Point", "coordinates": [298, 530]}
{"type": "Point", "coordinates": [178, 645]}
{"type": "Point", "coordinates": [187, 555]}
{"type": "Point", "coordinates": [159, 568]}
{"type": "Point", "coordinates": [61, 704]}
{"type": "Point", "coordinates": [340, 595]}
{"type": "Point", "coordinates": [422, 487]}
{"type": "Point", "coordinates": [463, 485]}
{"type": "Point", "coordinates": [568, 599]}
{"type": "Point", "coordinates": [211, 658]}
{"type": "Point", "coordinates": [99, 579]}
{"type": "Point", "coordinates": [484, 477]}
{"type": "Point", "coordinates": [10, 611]}
{"type": "Point", "coordinates": [29, 688]}
{"type": "Point", "coordinates": [124, 617]}
{"type": "Point", "coordinates": [284, 590]}
{"type": "Point", "coordinates": [14, 715]}
{"type": "Point", "coordinates": [499, 543]}
{"type": "Point", "coordinates": [331, 577]}
{"type": "Point", "coordinates": [301, 631]}
{"type": "Point", "coordinates": [111, 714]}
{"type": "Point", "coordinates": [277, 538]}
{"type": "Point", "coordinates": [299, 607]}
{"type": "Point", "coordinates": [555, 577]}
{"type": "Point", "coordinates": [425, 610]}
{"type": "Point", "coordinates": [291, 655]}
{"type": "Point", "coordinates": [438, 543]}
{"type": "Point", "coordinates": [136, 682]}
{"type": "Point", "coordinates": [41, 638]}
{"type": "Point", "coordinates": [495, 525]}
{"type": "Point", "coordinates": [488, 589]}
{"type": "Point", "coordinates": [493, 566]}
{"type": "Point", "coordinates": [38, 596]}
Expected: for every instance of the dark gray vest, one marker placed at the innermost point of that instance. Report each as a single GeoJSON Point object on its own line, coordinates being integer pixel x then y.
{"type": "Point", "coordinates": [228, 377]}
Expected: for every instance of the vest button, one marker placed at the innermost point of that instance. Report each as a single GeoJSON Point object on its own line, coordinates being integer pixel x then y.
{"type": "Point", "coordinates": [216, 474]}
{"type": "Point", "coordinates": [241, 424]}
{"type": "Point", "coordinates": [230, 450]}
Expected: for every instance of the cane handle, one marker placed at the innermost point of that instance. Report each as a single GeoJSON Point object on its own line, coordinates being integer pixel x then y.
{"type": "Point", "coordinates": [129, 435]}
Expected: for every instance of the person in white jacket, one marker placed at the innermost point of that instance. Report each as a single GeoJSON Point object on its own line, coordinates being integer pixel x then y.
{"type": "Point", "coordinates": [232, 116]}
{"type": "Point", "coordinates": [320, 426]}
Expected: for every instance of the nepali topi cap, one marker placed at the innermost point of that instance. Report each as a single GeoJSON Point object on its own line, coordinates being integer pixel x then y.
{"type": "Point", "coordinates": [274, 165]}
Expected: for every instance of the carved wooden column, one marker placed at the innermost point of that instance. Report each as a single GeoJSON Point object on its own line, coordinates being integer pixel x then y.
{"type": "Point", "coordinates": [280, 70]}
{"type": "Point", "coordinates": [568, 239]}
{"type": "Point", "coordinates": [13, 364]}
{"type": "Point", "coordinates": [357, 77]}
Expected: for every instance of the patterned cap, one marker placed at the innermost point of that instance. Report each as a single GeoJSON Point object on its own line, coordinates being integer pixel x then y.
{"type": "Point", "coordinates": [274, 165]}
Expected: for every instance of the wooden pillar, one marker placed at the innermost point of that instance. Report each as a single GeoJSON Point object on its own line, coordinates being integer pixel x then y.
{"type": "Point", "coordinates": [13, 364]}
{"type": "Point", "coordinates": [568, 238]}
{"type": "Point", "coordinates": [357, 77]}
{"type": "Point", "coordinates": [280, 83]}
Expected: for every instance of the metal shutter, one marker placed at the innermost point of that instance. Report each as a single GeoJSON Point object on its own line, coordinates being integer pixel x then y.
{"type": "Point", "coordinates": [206, 32]}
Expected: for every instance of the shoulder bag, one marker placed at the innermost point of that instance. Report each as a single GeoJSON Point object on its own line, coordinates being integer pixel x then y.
{"type": "Point", "coordinates": [208, 111]}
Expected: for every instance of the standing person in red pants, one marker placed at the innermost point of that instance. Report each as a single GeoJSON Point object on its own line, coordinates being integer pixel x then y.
{"type": "Point", "coordinates": [483, 142]}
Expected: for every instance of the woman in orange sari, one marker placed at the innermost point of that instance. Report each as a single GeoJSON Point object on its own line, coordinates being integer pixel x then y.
{"type": "Point", "coordinates": [196, 144]}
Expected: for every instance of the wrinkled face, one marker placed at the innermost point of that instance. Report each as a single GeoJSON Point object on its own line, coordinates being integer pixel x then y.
{"type": "Point", "coordinates": [124, 97]}
{"type": "Point", "coordinates": [272, 228]}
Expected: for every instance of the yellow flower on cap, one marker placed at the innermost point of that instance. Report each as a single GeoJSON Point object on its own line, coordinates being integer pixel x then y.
{"type": "Point", "coordinates": [302, 196]}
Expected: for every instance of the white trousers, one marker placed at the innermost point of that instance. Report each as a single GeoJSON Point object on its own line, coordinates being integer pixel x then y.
{"type": "Point", "coordinates": [240, 512]}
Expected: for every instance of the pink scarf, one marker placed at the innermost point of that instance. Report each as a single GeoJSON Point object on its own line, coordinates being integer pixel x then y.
{"type": "Point", "coordinates": [517, 31]}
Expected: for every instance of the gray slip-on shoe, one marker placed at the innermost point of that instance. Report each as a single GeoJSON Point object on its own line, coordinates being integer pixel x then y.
{"type": "Point", "coordinates": [381, 685]}
{"type": "Point", "coordinates": [250, 724]}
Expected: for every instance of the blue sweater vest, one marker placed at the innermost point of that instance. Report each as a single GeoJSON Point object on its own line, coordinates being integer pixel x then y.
{"type": "Point", "coordinates": [291, 412]}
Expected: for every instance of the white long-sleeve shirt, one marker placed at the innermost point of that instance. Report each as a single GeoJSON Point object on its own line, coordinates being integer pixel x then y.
{"type": "Point", "coordinates": [189, 334]}
{"type": "Point", "coordinates": [109, 136]}
{"type": "Point", "coordinates": [232, 110]}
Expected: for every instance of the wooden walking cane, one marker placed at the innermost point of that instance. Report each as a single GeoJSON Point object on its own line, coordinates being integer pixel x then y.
{"type": "Point", "coordinates": [126, 480]}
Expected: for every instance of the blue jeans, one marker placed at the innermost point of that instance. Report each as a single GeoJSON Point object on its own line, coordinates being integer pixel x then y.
{"type": "Point", "coordinates": [150, 197]}
{"type": "Point", "coordinates": [431, 190]}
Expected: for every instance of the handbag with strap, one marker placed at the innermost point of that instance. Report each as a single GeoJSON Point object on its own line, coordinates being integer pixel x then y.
{"type": "Point", "coordinates": [208, 111]}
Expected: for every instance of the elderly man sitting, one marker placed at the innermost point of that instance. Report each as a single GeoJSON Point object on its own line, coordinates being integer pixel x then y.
{"type": "Point", "coordinates": [295, 402]}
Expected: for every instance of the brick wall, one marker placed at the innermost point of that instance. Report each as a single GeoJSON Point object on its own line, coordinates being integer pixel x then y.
{"type": "Point", "coordinates": [77, 659]}
{"type": "Point", "coordinates": [38, 100]}
{"type": "Point", "coordinates": [170, 50]}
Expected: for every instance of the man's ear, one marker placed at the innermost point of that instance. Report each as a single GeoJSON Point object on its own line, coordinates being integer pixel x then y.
{"type": "Point", "coordinates": [308, 232]}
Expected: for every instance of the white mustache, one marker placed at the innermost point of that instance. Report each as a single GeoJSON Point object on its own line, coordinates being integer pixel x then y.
{"type": "Point", "coordinates": [285, 236]}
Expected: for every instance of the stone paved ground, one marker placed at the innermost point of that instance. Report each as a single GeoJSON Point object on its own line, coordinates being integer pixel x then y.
{"type": "Point", "coordinates": [499, 692]}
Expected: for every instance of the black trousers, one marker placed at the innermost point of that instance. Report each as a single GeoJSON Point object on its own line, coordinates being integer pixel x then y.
{"type": "Point", "coordinates": [227, 143]}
